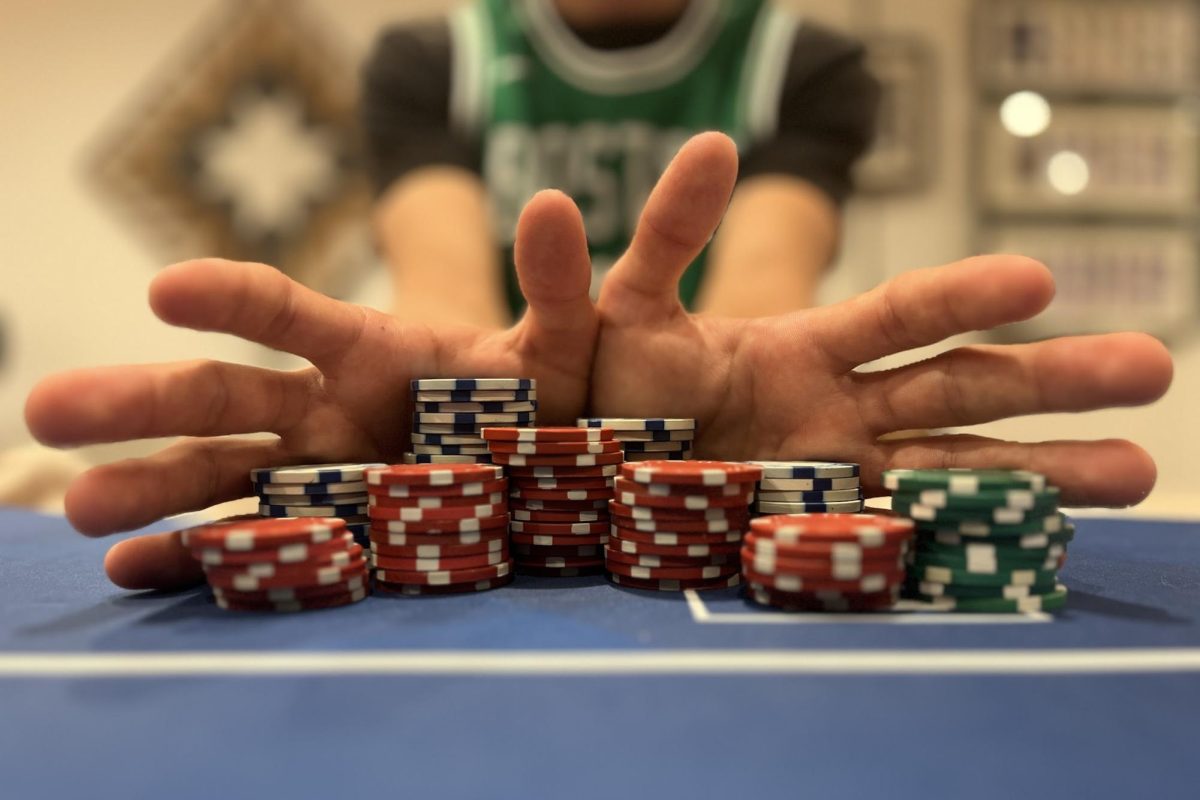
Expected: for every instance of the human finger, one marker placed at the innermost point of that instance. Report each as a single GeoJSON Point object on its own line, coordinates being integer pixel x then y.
{"type": "Point", "coordinates": [680, 216]}
{"type": "Point", "coordinates": [972, 385]}
{"type": "Point", "coordinates": [261, 304]}
{"type": "Point", "coordinates": [925, 306]}
{"type": "Point", "coordinates": [154, 561]}
{"type": "Point", "coordinates": [146, 401]}
{"type": "Point", "coordinates": [187, 476]}
{"type": "Point", "coordinates": [1108, 472]}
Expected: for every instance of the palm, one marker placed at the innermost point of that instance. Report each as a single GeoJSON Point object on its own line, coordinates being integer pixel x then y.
{"type": "Point", "coordinates": [791, 386]}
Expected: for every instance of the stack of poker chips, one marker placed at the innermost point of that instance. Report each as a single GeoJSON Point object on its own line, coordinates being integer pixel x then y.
{"type": "Point", "coordinates": [449, 413]}
{"type": "Point", "coordinates": [987, 540]}
{"type": "Point", "coordinates": [826, 562]}
{"type": "Point", "coordinates": [650, 439]}
{"type": "Point", "coordinates": [439, 528]}
{"type": "Point", "coordinates": [561, 480]}
{"type": "Point", "coordinates": [316, 490]}
{"type": "Point", "coordinates": [677, 525]}
{"type": "Point", "coordinates": [294, 564]}
{"type": "Point", "coordinates": [806, 487]}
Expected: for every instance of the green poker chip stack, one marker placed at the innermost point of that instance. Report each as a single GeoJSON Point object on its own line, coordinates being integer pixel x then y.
{"type": "Point", "coordinates": [986, 540]}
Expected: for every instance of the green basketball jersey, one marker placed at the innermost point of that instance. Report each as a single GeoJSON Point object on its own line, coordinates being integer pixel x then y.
{"type": "Point", "coordinates": [550, 112]}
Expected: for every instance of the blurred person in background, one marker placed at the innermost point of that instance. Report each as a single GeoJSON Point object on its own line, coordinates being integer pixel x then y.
{"type": "Point", "coordinates": [468, 117]}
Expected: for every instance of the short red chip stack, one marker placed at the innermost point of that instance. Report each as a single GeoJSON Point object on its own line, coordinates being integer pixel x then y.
{"type": "Point", "coordinates": [826, 562]}
{"type": "Point", "coordinates": [679, 524]}
{"type": "Point", "coordinates": [289, 564]}
{"type": "Point", "coordinates": [439, 528]}
{"type": "Point", "coordinates": [560, 485]}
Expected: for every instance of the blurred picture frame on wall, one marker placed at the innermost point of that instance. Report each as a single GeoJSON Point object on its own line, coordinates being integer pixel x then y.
{"type": "Point", "coordinates": [902, 156]}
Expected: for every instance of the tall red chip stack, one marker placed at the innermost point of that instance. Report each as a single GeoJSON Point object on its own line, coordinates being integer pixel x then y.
{"type": "Point", "coordinates": [560, 484]}
{"type": "Point", "coordinates": [826, 562]}
{"type": "Point", "coordinates": [679, 524]}
{"type": "Point", "coordinates": [292, 564]}
{"type": "Point", "coordinates": [439, 528]}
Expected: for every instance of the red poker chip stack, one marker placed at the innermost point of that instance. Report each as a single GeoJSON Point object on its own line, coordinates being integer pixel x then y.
{"type": "Point", "coordinates": [438, 528]}
{"type": "Point", "coordinates": [826, 562]}
{"type": "Point", "coordinates": [560, 484]}
{"type": "Point", "coordinates": [679, 524]}
{"type": "Point", "coordinates": [280, 564]}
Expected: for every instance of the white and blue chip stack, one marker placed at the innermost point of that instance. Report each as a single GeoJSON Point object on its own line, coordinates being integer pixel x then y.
{"type": "Point", "coordinates": [316, 490]}
{"type": "Point", "coordinates": [807, 487]}
{"type": "Point", "coordinates": [648, 438]}
{"type": "Point", "coordinates": [449, 413]}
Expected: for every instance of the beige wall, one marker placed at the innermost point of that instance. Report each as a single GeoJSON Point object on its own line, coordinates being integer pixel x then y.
{"type": "Point", "coordinates": [73, 277]}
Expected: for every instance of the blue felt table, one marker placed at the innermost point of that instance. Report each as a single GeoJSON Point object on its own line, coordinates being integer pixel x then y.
{"type": "Point", "coordinates": [573, 688]}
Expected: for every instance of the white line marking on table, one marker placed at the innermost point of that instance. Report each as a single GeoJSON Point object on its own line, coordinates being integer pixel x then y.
{"type": "Point", "coordinates": [907, 613]}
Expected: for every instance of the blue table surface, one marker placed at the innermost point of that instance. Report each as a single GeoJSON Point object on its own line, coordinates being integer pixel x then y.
{"type": "Point", "coordinates": [576, 688]}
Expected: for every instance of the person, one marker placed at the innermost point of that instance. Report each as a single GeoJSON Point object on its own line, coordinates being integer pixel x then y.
{"type": "Point", "coordinates": [465, 119]}
{"type": "Point", "coordinates": [773, 387]}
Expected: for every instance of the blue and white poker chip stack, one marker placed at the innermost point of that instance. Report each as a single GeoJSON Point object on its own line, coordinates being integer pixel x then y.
{"type": "Point", "coordinates": [449, 413]}
{"type": "Point", "coordinates": [316, 490]}
{"type": "Point", "coordinates": [648, 439]}
{"type": "Point", "coordinates": [806, 487]}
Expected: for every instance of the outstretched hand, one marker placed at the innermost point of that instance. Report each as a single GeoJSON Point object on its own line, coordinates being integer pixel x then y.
{"type": "Point", "coordinates": [781, 387]}
{"type": "Point", "coordinates": [352, 404]}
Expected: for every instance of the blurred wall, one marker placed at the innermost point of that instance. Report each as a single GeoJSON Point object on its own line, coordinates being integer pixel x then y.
{"type": "Point", "coordinates": [74, 276]}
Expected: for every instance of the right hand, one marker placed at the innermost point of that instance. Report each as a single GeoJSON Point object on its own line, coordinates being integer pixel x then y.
{"type": "Point", "coordinates": [352, 405]}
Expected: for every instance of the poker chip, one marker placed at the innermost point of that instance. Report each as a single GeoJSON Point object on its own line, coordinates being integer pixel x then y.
{"type": "Point", "coordinates": [673, 446]}
{"type": "Point", "coordinates": [863, 529]}
{"type": "Point", "coordinates": [436, 501]}
{"type": "Point", "coordinates": [560, 562]}
{"type": "Point", "coordinates": [295, 553]}
{"type": "Point", "coordinates": [847, 507]}
{"type": "Point", "coordinates": [828, 550]}
{"type": "Point", "coordinates": [681, 490]}
{"type": "Point", "coordinates": [832, 496]}
{"type": "Point", "coordinates": [476, 407]}
{"type": "Point", "coordinates": [318, 489]}
{"type": "Point", "coordinates": [311, 473]}
{"type": "Point", "coordinates": [799, 584]}
{"type": "Point", "coordinates": [563, 494]}
{"type": "Point", "coordinates": [562, 483]}
{"type": "Point", "coordinates": [292, 577]}
{"type": "Point", "coordinates": [632, 458]}
{"type": "Point", "coordinates": [1055, 600]}
{"type": "Point", "coordinates": [468, 418]}
{"type": "Point", "coordinates": [291, 606]}
{"type": "Point", "coordinates": [384, 536]}
{"type": "Point", "coordinates": [962, 481]}
{"type": "Point", "coordinates": [583, 550]}
{"type": "Point", "coordinates": [986, 539]}
{"type": "Point", "coordinates": [606, 471]}
{"type": "Point", "coordinates": [674, 537]}
{"type": "Point", "coordinates": [354, 584]}
{"type": "Point", "coordinates": [422, 589]}
{"type": "Point", "coordinates": [440, 550]}
{"type": "Point", "coordinates": [700, 473]}
{"type": "Point", "coordinates": [820, 602]}
{"type": "Point", "coordinates": [449, 450]}
{"type": "Point", "coordinates": [768, 484]}
{"type": "Point", "coordinates": [246, 533]}
{"type": "Point", "coordinates": [674, 585]}
{"type": "Point", "coordinates": [439, 563]}
{"type": "Point", "coordinates": [473, 384]}
{"type": "Point", "coordinates": [793, 470]}
{"type": "Point", "coordinates": [554, 448]}
{"type": "Point", "coordinates": [444, 577]}
{"type": "Point", "coordinates": [694, 502]}
{"type": "Point", "coordinates": [426, 475]}
{"type": "Point", "coordinates": [442, 514]}
{"type": "Point", "coordinates": [560, 528]}
{"type": "Point", "coordinates": [548, 540]}
{"type": "Point", "coordinates": [720, 526]}
{"type": "Point", "coordinates": [635, 424]}
{"type": "Point", "coordinates": [501, 434]}
{"type": "Point", "coordinates": [578, 460]}
{"type": "Point", "coordinates": [313, 499]}
{"type": "Point", "coordinates": [440, 526]}
{"type": "Point", "coordinates": [420, 458]}
{"type": "Point", "coordinates": [474, 395]}
{"type": "Point", "coordinates": [639, 512]}
{"type": "Point", "coordinates": [631, 547]}
{"type": "Point", "coordinates": [562, 517]}
{"type": "Point", "coordinates": [668, 562]}
{"type": "Point", "coordinates": [471, 488]}
{"type": "Point", "coordinates": [683, 435]}
{"type": "Point", "coordinates": [707, 573]}
{"type": "Point", "coordinates": [768, 563]}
